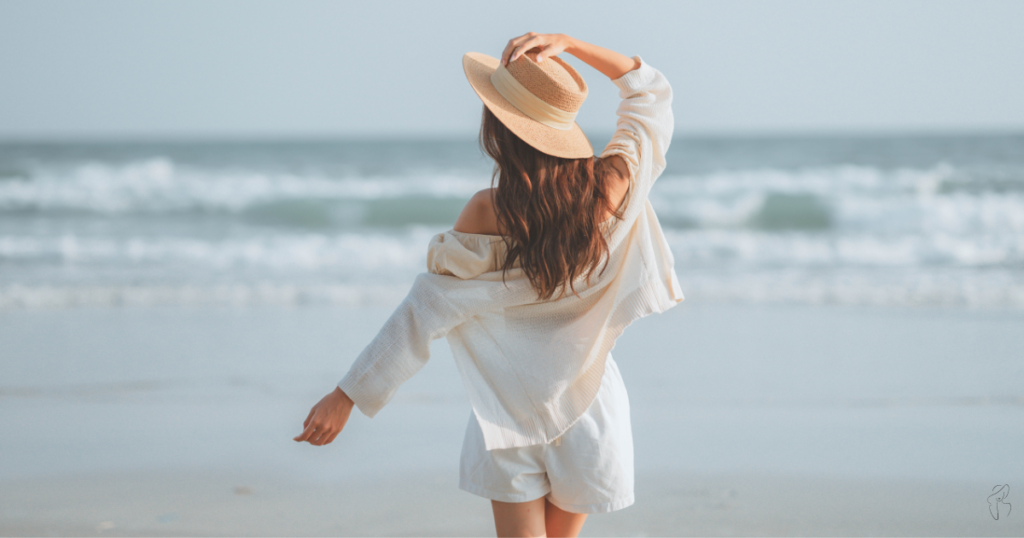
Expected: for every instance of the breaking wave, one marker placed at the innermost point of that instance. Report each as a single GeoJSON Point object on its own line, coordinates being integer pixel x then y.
{"type": "Point", "coordinates": [156, 230]}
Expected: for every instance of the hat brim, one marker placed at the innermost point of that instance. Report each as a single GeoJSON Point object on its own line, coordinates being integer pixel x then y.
{"type": "Point", "coordinates": [569, 144]}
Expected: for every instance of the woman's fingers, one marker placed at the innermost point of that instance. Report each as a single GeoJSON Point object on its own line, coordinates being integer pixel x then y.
{"type": "Point", "coordinates": [308, 417]}
{"type": "Point", "coordinates": [548, 44]}
{"type": "Point", "coordinates": [305, 433]}
{"type": "Point", "coordinates": [535, 41]}
{"type": "Point", "coordinates": [321, 436]}
{"type": "Point", "coordinates": [516, 43]}
{"type": "Point", "coordinates": [511, 46]}
{"type": "Point", "coordinates": [310, 434]}
{"type": "Point", "coordinates": [551, 48]}
{"type": "Point", "coordinates": [317, 434]}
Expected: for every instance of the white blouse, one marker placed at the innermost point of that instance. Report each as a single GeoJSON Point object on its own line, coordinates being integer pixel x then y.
{"type": "Point", "coordinates": [532, 368]}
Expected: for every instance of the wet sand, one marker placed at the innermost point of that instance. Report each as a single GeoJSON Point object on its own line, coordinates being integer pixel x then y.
{"type": "Point", "coordinates": [764, 420]}
{"type": "Point", "coordinates": [256, 503]}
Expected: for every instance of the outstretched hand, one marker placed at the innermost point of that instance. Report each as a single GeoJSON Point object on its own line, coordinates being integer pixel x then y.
{"type": "Point", "coordinates": [326, 419]}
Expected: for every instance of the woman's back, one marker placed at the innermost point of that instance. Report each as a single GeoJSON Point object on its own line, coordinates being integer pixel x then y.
{"type": "Point", "coordinates": [532, 366]}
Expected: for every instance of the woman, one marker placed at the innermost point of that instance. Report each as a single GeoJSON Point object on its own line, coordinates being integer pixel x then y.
{"type": "Point", "coordinates": [532, 286]}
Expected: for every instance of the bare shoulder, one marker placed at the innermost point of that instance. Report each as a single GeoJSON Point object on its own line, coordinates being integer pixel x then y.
{"type": "Point", "coordinates": [478, 217]}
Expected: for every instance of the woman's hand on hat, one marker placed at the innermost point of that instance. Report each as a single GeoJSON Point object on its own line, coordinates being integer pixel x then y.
{"type": "Point", "coordinates": [549, 45]}
{"type": "Point", "coordinates": [326, 419]}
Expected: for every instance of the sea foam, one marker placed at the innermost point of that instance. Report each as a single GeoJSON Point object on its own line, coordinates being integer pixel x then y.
{"type": "Point", "coordinates": [169, 228]}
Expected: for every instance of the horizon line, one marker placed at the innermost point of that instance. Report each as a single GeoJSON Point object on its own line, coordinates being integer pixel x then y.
{"type": "Point", "coordinates": [197, 138]}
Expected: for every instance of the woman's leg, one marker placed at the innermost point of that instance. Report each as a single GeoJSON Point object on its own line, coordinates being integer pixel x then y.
{"type": "Point", "coordinates": [561, 523]}
{"type": "Point", "coordinates": [535, 518]}
{"type": "Point", "coordinates": [519, 519]}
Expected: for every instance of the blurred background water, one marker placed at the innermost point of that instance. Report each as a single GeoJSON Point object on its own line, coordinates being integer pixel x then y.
{"type": "Point", "coordinates": [883, 220]}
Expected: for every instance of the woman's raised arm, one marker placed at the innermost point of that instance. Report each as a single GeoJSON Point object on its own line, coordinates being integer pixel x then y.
{"type": "Point", "coordinates": [645, 125]}
{"type": "Point", "coordinates": [609, 62]}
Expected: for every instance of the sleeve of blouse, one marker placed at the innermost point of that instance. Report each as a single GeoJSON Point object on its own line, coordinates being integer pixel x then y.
{"type": "Point", "coordinates": [438, 302]}
{"type": "Point", "coordinates": [402, 346]}
{"type": "Point", "coordinates": [644, 126]}
{"type": "Point", "coordinates": [463, 255]}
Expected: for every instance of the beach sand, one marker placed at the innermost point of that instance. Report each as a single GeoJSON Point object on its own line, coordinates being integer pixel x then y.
{"type": "Point", "coordinates": [747, 420]}
{"type": "Point", "coordinates": [198, 502]}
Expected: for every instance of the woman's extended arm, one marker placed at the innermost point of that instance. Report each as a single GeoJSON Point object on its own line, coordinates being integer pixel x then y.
{"type": "Point", "coordinates": [400, 349]}
{"type": "Point", "coordinates": [609, 62]}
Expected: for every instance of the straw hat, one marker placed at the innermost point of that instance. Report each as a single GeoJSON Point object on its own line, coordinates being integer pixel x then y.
{"type": "Point", "coordinates": [536, 101]}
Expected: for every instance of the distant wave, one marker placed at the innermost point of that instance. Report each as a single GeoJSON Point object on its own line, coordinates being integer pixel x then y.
{"type": "Point", "coordinates": [153, 231]}
{"type": "Point", "coordinates": [159, 185]}
{"type": "Point", "coordinates": [940, 198]}
{"type": "Point", "coordinates": [371, 251]}
{"type": "Point", "coordinates": [368, 251]}
{"type": "Point", "coordinates": [248, 294]}
{"type": "Point", "coordinates": [747, 248]}
{"type": "Point", "coordinates": [950, 287]}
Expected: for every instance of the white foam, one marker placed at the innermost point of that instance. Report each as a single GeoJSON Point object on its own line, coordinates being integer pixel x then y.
{"type": "Point", "coordinates": [751, 248]}
{"type": "Point", "coordinates": [857, 198]}
{"type": "Point", "coordinates": [159, 185]}
{"type": "Point", "coordinates": [957, 288]}
{"type": "Point", "coordinates": [351, 252]}
{"type": "Point", "coordinates": [815, 180]}
{"type": "Point", "coordinates": [931, 287]}
{"type": "Point", "coordinates": [268, 293]}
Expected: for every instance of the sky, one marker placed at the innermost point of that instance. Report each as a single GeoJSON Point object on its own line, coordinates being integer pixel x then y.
{"type": "Point", "coordinates": [112, 69]}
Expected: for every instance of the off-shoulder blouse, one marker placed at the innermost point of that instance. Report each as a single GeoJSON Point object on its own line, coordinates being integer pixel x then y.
{"type": "Point", "coordinates": [532, 367]}
{"type": "Point", "coordinates": [465, 255]}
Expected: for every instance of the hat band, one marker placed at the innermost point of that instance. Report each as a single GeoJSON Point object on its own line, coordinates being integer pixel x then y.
{"type": "Point", "coordinates": [528, 103]}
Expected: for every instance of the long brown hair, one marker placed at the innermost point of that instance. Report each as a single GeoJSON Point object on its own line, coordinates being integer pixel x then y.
{"type": "Point", "coordinates": [549, 209]}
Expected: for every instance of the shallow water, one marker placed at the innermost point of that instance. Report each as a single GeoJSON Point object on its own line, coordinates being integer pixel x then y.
{"type": "Point", "coordinates": [846, 392]}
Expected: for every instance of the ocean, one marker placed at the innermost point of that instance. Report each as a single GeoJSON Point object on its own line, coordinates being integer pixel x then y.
{"type": "Point", "coordinates": [169, 313]}
{"type": "Point", "coordinates": [868, 220]}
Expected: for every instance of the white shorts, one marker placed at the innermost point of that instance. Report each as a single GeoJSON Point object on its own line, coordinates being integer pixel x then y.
{"type": "Point", "coordinates": [589, 469]}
